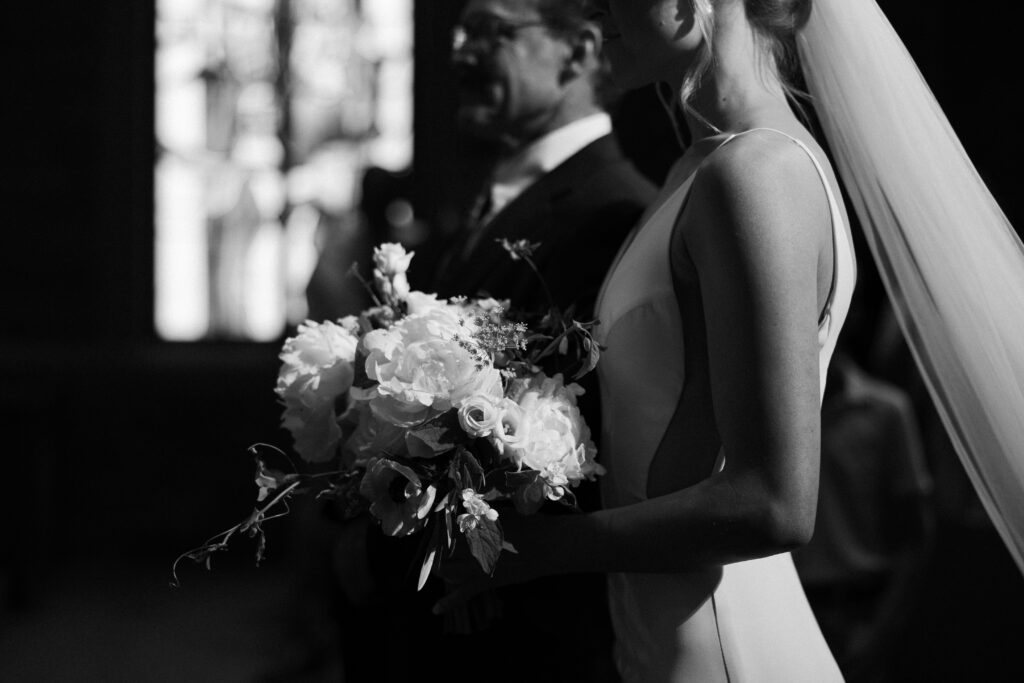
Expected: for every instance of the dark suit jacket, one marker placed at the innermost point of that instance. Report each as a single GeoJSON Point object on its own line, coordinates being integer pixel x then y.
{"type": "Point", "coordinates": [558, 628]}
{"type": "Point", "coordinates": [580, 213]}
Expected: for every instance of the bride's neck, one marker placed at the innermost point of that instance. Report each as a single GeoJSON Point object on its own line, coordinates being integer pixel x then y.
{"type": "Point", "coordinates": [742, 88]}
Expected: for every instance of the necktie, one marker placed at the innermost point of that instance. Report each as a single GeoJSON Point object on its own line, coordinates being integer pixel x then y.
{"type": "Point", "coordinates": [479, 215]}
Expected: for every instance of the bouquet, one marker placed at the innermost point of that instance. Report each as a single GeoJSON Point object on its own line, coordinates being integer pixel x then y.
{"type": "Point", "coordinates": [432, 410]}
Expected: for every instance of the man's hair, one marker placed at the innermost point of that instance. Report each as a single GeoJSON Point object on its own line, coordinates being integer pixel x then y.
{"type": "Point", "coordinates": [564, 16]}
{"type": "Point", "coordinates": [567, 18]}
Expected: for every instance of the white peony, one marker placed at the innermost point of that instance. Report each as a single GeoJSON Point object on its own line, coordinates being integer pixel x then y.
{"type": "Point", "coordinates": [425, 365]}
{"type": "Point", "coordinates": [417, 302]}
{"type": "Point", "coordinates": [316, 369]}
{"type": "Point", "coordinates": [542, 429]}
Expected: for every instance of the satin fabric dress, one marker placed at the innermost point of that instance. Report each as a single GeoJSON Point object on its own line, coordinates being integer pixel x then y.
{"type": "Point", "coordinates": [747, 621]}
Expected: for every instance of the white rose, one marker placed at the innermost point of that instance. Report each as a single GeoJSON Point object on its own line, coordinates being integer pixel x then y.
{"type": "Point", "coordinates": [316, 370]}
{"type": "Point", "coordinates": [391, 259]}
{"type": "Point", "coordinates": [510, 431]}
{"type": "Point", "coordinates": [479, 415]}
{"type": "Point", "coordinates": [425, 365]}
{"type": "Point", "coordinates": [400, 285]}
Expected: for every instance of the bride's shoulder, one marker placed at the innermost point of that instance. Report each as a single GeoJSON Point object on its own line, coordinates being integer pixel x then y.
{"type": "Point", "coordinates": [757, 162]}
{"type": "Point", "coordinates": [758, 182]}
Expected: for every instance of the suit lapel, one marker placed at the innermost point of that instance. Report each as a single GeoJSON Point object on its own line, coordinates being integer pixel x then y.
{"type": "Point", "coordinates": [529, 216]}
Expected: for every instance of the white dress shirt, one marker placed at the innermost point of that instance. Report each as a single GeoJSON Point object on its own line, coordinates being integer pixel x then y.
{"type": "Point", "coordinates": [517, 172]}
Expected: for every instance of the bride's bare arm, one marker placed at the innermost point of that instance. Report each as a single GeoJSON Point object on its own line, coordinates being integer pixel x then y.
{"type": "Point", "coordinates": [756, 227]}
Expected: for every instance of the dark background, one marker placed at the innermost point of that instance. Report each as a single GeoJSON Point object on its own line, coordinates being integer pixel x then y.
{"type": "Point", "coordinates": [120, 451]}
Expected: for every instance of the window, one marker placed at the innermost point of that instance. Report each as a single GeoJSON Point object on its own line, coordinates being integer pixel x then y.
{"type": "Point", "coordinates": [267, 114]}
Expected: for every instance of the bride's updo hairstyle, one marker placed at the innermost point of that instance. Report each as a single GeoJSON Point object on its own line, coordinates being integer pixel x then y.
{"type": "Point", "coordinates": [776, 23]}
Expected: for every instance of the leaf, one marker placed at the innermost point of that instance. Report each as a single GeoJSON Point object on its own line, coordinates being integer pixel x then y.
{"type": "Point", "coordinates": [485, 543]}
{"type": "Point", "coordinates": [569, 499]}
{"type": "Point", "coordinates": [591, 362]}
{"type": "Point", "coordinates": [425, 569]}
{"type": "Point", "coordinates": [515, 479]}
{"type": "Point", "coordinates": [550, 348]}
{"type": "Point", "coordinates": [449, 530]}
{"type": "Point", "coordinates": [466, 471]}
{"type": "Point", "coordinates": [435, 437]}
{"type": "Point", "coordinates": [405, 471]}
{"type": "Point", "coordinates": [427, 443]}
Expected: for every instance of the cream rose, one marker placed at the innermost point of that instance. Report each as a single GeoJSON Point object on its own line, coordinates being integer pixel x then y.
{"type": "Point", "coordinates": [316, 370]}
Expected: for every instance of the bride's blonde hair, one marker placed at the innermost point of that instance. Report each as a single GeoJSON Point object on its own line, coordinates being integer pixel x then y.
{"type": "Point", "coordinates": [775, 22]}
{"type": "Point", "coordinates": [704, 17]}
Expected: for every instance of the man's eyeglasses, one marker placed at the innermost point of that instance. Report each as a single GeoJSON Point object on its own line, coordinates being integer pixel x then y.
{"type": "Point", "coordinates": [489, 32]}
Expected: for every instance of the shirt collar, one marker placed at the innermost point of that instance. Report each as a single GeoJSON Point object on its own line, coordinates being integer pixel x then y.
{"type": "Point", "coordinates": [548, 152]}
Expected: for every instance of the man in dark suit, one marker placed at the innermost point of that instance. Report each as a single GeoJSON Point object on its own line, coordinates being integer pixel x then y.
{"type": "Point", "coordinates": [530, 80]}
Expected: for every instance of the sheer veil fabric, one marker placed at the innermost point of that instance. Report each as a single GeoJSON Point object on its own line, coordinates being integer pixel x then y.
{"type": "Point", "coordinates": [949, 258]}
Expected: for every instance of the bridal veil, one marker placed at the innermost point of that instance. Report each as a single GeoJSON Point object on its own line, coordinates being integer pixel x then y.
{"type": "Point", "coordinates": [949, 258]}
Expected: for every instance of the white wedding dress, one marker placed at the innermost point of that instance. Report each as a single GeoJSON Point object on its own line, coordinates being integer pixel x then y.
{"type": "Point", "coordinates": [747, 621]}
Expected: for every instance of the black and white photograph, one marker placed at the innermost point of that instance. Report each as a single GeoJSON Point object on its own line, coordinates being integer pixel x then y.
{"type": "Point", "coordinates": [526, 341]}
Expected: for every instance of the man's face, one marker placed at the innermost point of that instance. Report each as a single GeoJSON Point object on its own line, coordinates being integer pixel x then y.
{"type": "Point", "coordinates": [509, 68]}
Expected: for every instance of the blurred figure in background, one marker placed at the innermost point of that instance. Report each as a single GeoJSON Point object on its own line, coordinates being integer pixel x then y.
{"type": "Point", "coordinates": [384, 214]}
{"type": "Point", "coordinates": [863, 569]}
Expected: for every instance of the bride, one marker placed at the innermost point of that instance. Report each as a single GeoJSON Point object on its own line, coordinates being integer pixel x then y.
{"type": "Point", "coordinates": [719, 319]}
